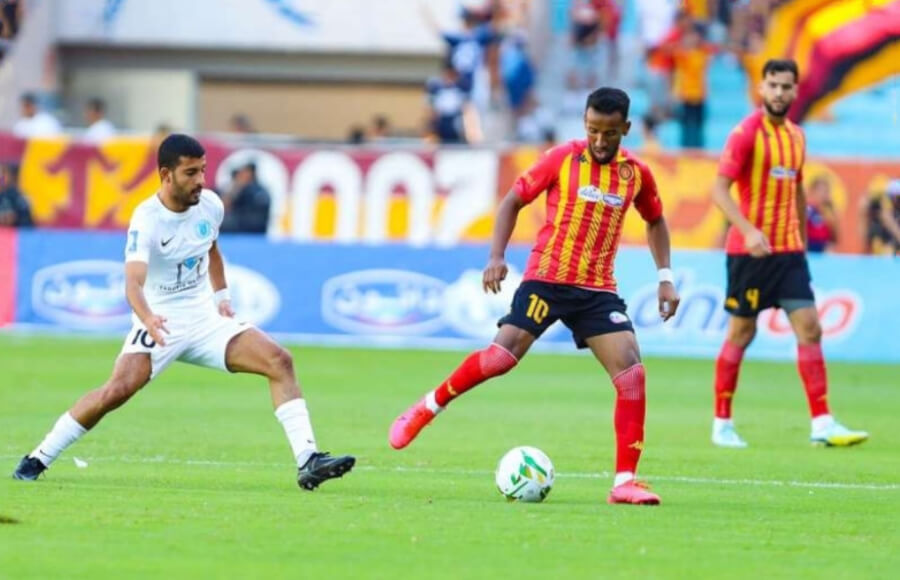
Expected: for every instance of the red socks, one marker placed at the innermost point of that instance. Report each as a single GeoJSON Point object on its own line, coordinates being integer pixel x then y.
{"type": "Point", "coordinates": [811, 364]}
{"type": "Point", "coordinates": [478, 367]}
{"type": "Point", "coordinates": [728, 364]}
{"type": "Point", "coordinates": [631, 406]}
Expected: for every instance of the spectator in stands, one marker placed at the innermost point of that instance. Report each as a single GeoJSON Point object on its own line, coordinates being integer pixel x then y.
{"type": "Point", "coordinates": [881, 215]}
{"type": "Point", "coordinates": [518, 76]}
{"type": "Point", "coordinates": [585, 36]}
{"type": "Point", "coordinates": [467, 48]}
{"type": "Point", "coordinates": [99, 127]}
{"type": "Point", "coordinates": [381, 128]}
{"type": "Point", "coordinates": [246, 202]}
{"type": "Point", "coordinates": [659, 44]}
{"type": "Point", "coordinates": [356, 135]}
{"type": "Point", "coordinates": [10, 18]}
{"type": "Point", "coordinates": [651, 146]}
{"type": "Point", "coordinates": [548, 140]}
{"type": "Point", "coordinates": [14, 208]}
{"type": "Point", "coordinates": [821, 218]}
{"type": "Point", "coordinates": [241, 123]}
{"type": "Point", "coordinates": [448, 103]}
{"type": "Point", "coordinates": [610, 13]}
{"type": "Point", "coordinates": [691, 59]}
{"type": "Point", "coordinates": [35, 122]}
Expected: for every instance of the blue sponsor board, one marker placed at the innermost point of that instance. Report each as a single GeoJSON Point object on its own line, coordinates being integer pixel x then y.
{"type": "Point", "coordinates": [398, 295]}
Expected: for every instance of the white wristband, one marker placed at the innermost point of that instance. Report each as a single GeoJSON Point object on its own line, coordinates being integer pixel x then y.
{"type": "Point", "coordinates": [666, 275]}
{"type": "Point", "coordinates": [222, 295]}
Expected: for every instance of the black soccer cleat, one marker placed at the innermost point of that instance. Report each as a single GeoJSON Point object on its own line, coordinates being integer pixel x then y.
{"type": "Point", "coordinates": [322, 466]}
{"type": "Point", "coordinates": [29, 469]}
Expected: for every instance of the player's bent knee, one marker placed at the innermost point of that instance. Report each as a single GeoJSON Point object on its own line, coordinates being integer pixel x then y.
{"type": "Point", "coordinates": [281, 363]}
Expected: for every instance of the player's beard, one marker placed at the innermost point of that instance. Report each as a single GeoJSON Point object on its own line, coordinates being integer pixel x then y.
{"type": "Point", "coordinates": [190, 197]}
{"type": "Point", "coordinates": [609, 156]}
{"type": "Point", "coordinates": [775, 113]}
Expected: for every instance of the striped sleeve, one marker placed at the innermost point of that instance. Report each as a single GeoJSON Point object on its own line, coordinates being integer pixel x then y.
{"type": "Point", "coordinates": [737, 153]}
{"type": "Point", "coordinates": [647, 200]}
{"type": "Point", "coordinates": [542, 174]}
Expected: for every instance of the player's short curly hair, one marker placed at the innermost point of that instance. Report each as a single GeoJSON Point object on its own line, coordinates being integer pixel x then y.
{"type": "Point", "coordinates": [176, 146]}
{"type": "Point", "coordinates": [608, 100]}
{"type": "Point", "coordinates": [778, 65]}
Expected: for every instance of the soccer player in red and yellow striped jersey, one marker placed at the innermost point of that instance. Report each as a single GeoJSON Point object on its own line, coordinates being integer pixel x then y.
{"type": "Point", "coordinates": [766, 253]}
{"type": "Point", "coordinates": [590, 184]}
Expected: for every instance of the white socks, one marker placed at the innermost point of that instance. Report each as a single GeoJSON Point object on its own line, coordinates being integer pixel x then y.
{"type": "Point", "coordinates": [719, 424]}
{"type": "Point", "coordinates": [822, 422]}
{"type": "Point", "coordinates": [431, 403]}
{"type": "Point", "coordinates": [622, 477]}
{"type": "Point", "coordinates": [65, 432]}
{"type": "Point", "coordinates": [294, 418]}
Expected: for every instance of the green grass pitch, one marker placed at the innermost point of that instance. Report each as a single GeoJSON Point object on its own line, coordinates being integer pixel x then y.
{"type": "Point", "coordinates": [194, 479]}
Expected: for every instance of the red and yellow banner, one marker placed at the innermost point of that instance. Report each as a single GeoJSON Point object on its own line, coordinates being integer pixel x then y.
{"type": "Point", "coordinates": [421, 197]}
{"type": "Point", "coordinates": [841, 46]}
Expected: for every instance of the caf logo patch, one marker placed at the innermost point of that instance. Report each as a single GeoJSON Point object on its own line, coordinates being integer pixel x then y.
{"type": "Point", "coordinates": [626, 173]}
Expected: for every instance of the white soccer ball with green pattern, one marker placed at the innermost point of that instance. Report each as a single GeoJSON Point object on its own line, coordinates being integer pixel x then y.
{"type": "Point", "coordinates": [525, 474]}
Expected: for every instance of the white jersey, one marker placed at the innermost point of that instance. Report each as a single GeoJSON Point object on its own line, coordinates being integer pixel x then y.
{"type": "Point", "coordinates": [175, 247]}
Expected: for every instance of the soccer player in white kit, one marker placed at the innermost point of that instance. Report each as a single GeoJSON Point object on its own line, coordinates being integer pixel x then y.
{"type": "Point", "coordinates": [175, 284]}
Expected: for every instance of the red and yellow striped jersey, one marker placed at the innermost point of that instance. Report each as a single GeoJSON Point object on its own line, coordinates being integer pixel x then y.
{"type": "Point", "coordinates": [766, 161]}
{"type": "Point", "coordinates": [586, 205]}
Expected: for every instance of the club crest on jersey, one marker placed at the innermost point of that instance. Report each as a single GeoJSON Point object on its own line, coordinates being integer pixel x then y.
{"type": "Point", "coordinates": [204, 229]}
{"type": "Point", "coordinates": [626, 173]}
{"type": "Point", "coordinates": [779, 172]}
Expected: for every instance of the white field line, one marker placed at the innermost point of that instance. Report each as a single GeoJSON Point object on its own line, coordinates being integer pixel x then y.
{"type": "Point", "coordinates": [484, 473]}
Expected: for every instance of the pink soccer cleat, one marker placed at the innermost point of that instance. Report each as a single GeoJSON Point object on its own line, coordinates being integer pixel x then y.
{"type": "Point", "coordinates": [633, 492]}
{"type": "Point", "coordinates": [408, 425]}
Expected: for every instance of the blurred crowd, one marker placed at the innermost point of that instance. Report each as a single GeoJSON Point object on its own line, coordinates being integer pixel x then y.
{"type": "Point", "coordinates": [680, 39]}
{"type": "Point", "coordinates": [487, 79]}
{"type": "Point", "coordinates": [12, 12]}
{"type": "Point", "coordinates": [487, 72]}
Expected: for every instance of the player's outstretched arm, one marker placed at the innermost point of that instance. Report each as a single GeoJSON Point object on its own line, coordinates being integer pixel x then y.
{"type": "Point", "coordinates": [135, 276]}
{"type": "Point", "coordinates": [217, 279]}
{"type": "Point", "coordinates": [660, 247]}
{"type": "Point", "coordinates": [754, 239]}
{"type": "Point", "coordinates": [504, 224]}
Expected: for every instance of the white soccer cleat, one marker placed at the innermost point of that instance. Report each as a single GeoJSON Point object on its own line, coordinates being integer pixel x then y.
{"type": "Point", "coordinates": [725, 435]}
{"type": "Point", "coordinates": [836, 435]}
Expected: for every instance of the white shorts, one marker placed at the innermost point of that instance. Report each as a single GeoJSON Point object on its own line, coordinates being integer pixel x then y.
{"type": "Point", "coordinates": [196, 340]}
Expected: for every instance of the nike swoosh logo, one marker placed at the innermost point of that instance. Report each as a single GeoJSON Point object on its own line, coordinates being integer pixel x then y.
{"type": "Point", "coordinates": [166, 242]}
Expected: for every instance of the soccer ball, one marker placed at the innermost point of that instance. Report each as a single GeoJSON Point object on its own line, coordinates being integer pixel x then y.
{"type": "Point", "coordinates": [525, 474]}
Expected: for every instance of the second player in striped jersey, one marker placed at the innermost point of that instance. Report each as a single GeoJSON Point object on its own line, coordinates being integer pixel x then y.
{"type": "Point", "coordinates": [766, 259]}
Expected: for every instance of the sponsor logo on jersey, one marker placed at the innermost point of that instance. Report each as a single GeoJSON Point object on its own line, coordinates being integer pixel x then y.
{"type": "Point", "coordinates": [383, 301]}
{"type": "Point", "coordinates": [779, 172]}
{"type": "Point", "coordinates": [87, 294]}
{"type": "Point", "coordinates": [613, 200]}
{"type": "Point", "coordinates": [590, 193]}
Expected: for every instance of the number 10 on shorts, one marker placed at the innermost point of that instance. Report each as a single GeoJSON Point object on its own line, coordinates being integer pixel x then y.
{"type": "Point", "coordinates": [537, 308]}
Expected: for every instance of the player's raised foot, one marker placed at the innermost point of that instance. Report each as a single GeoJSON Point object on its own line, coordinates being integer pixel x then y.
{"type": "Point", "coordinates": [29, 469]}
{"type": "Point", "coordinates": [836, 435]}
{"type": "Point", "coordinates": [633, 492]}
{"type": "Point", "coordinates": [725, 435]}
{"type": "Point", "coordinates": [322, 466]}
{"type": "Point", "coordinates": [408, 425]}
